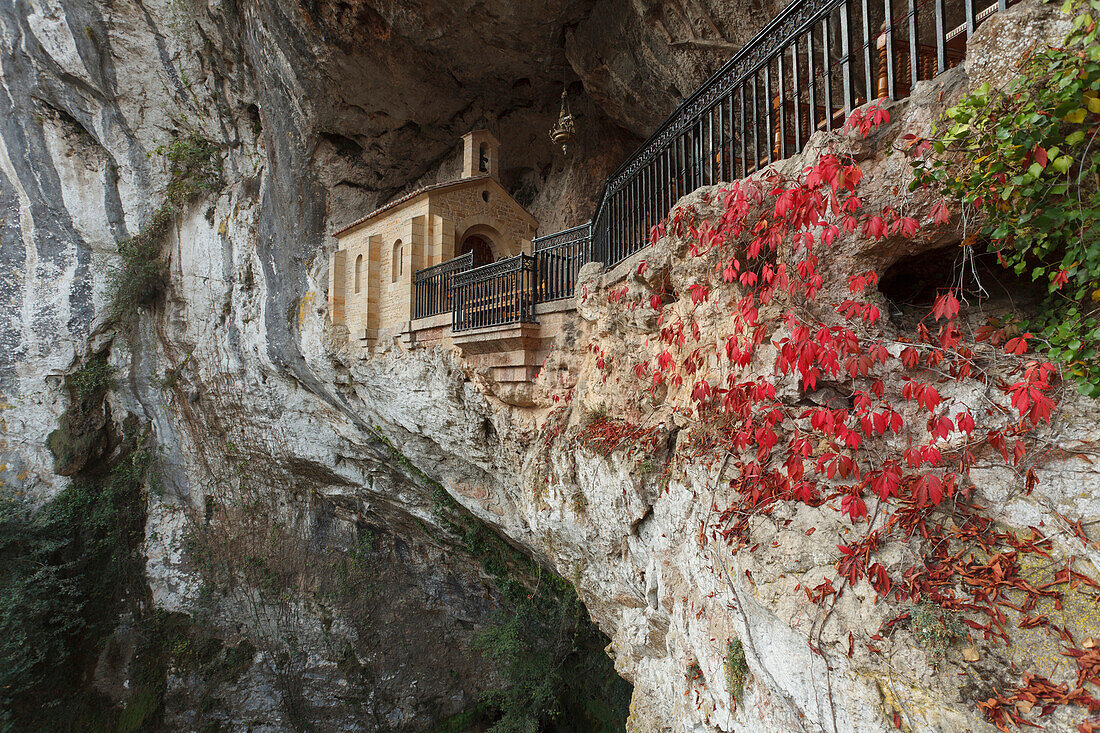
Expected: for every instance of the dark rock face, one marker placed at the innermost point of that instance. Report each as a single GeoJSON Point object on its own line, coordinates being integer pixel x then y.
{"type": "Point", "coordinates": [662, 51]}
{"type": "Point", "coordinates": [390, 648]}
{"type": "Point", "coordinates": [320, 109]}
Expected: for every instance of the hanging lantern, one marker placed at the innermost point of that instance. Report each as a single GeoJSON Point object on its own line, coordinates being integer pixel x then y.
{"type": "Point", "coordinates": [565, 131]}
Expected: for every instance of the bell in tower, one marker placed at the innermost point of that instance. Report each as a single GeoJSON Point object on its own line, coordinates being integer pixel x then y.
{"type": "Point", "coordinates": [480, 154]}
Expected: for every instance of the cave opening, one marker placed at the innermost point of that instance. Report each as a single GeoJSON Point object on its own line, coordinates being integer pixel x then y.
{"type": "Point", "coordinates": [254, 119]}
{"type": "Point", "coordinates": [912, 284]}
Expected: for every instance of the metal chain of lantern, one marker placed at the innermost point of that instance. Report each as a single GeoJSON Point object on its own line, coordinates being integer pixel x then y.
{"type": "Point", "coordinates": [565, 131]}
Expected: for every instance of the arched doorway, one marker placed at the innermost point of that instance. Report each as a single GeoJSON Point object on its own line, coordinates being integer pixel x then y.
{"type": "Point", "coordinates": [479, 245]}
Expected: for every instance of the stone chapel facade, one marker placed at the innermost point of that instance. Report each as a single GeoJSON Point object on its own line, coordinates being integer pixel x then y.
{"type": "Point", "coordinates": [371, 272]}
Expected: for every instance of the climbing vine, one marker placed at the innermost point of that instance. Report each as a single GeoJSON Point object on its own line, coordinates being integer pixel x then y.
{"type": "Point", "coordinates": [1025, 164]}
{"type": "Point", "coordinates": [855, 418]}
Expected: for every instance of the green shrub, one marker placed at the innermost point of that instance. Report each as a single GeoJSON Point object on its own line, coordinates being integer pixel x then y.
{"type": "Point", "coordinates": [193, 166]}
{"type": "Point", "coordinates": [936, 628]}
{"type": "Point", "coordinates": [140, 275]}
{"type": "Point", "coordinates": [1024, 159]}
{"type": "Point", "coordinates": [737, 670]}
{"type": "Point", "coordinates": [64, 572]}
{"type": "Point", "coordinates": [82, 436]}
{"type": "Point", "coordinates": [138, 278]}
{"type": "Point", "coordinates": [475, 717]}
{"type": "Point", "coordinates": [96, 375]}
{"type": "Point", "coordinates": [551, 658]}
{"type": "Point", "coordinates": [549, 654]}
{"type": "Point", "coordinates": [530, 696]}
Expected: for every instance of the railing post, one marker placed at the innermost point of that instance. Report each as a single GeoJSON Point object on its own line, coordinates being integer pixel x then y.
{"type": "Point", "coordinates": [456, 308]}
{"type": "Point", "coordinates": [780, 67]}
{"type": "Point", "coordinates": [869, 82]}
{"type": "Point", "coordinates": [941, 56]}
{"type": "Point", "coordinates": [914, 51]}
{"type": "Point", "coordinates": [827, 49]}
{"type": "Point", "coordinates": [769, 105]}
{"type": "Point", "coordinates": [811, 80]}
{"type": "Point", "coordinates": [888, 42]}
{"type": "Point", "coordinates": [796, 96]}
{"type": "Point", "coordinates": [846, 56]}
{"type": "Point", "coordinates": [755, 124]}
{"type": "Point", "coordinates": [743, 135]}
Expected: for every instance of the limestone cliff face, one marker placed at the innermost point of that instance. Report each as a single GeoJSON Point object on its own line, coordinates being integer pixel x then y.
{"type": "Point", "coordinates": [319, 111]}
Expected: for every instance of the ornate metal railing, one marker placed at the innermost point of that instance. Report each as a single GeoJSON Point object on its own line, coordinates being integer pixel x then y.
{"type": "Point", "coordinates": [804, 72]}
{"type": "Point", "coordinates": [558, 260]}
{"type": "Point", "coordinates": [432, 286]}
{"type": "Point", "coordinates": [496, 294]}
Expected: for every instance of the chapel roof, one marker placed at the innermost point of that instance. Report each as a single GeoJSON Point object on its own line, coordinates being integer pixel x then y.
{"type": "Point", "coordinates": [417, 193]}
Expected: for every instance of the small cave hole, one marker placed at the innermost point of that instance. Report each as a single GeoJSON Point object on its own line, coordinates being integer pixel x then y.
{"type": "Point", "coordinates": [915, 282]}
{"type": "Point", "coordinates": [667, 291]}
{"type": "Point", "coordinates": [912, 284]}
{"type": "Point", "coordinates": [254, 119]}
{"type": "Point", "coordinates": [343, 145]}
{"type": "Point", "coordinates": [488, 430]}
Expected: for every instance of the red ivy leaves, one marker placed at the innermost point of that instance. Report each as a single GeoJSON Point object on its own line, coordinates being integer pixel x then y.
{"type": "Point", "coordinates": [880, 581]}
{"type": "Point", "coordinates": [851, 309]}
{"type": "Point", "coordinates": [1017, 345]}
{"type": "Point", "coordinates": [853, 506]}
{"type": "Point", "coordinates": [925, 394]}
{"type": "Point", "coordinates": [858, 283]}
{"type": "Point", "coordinates": [946, 306]}
{"type": "Point", "coordinates": [885, 483]}
{"type": "Point", "coordinates": [939, 213]}
{"type": "Point", "coordinates": [857, 439]}
{"type": "Point", "coordinates": [864, 121]}
{"type": "Point", "coordinates": [1029, 395]}
{"type": "Point", "coordinates": [928, 490]}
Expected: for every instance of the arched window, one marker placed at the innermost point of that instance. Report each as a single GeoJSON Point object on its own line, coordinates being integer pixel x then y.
{"type": "Point", "coordinates": [395, 266]}
{"type": "Point", "coordinates": [483, 158]}
{"type": "Point", "coordinates": [358, 272]}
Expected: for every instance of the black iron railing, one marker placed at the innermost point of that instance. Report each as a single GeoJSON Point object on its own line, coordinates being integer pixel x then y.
{"type": "Point", "coordinates": [558, 260]}
{"type": "Point", "coordinates": [803, 73]}
{"type": "Point", "coordinates": [495, 295]}
{"type": "Point", "coordinates": [432, 286]}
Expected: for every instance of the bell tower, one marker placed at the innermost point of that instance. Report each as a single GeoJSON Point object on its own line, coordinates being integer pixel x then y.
{"type": "Point", "coordinates": [480, 154]}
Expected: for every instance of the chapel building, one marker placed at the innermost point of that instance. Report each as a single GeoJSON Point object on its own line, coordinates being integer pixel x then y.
{"type": "Point", "coordinates": [371, 274]}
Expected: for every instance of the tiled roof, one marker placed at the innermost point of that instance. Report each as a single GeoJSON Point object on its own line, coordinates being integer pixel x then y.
{"type": "Point", "coordinates": [407, 197]}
